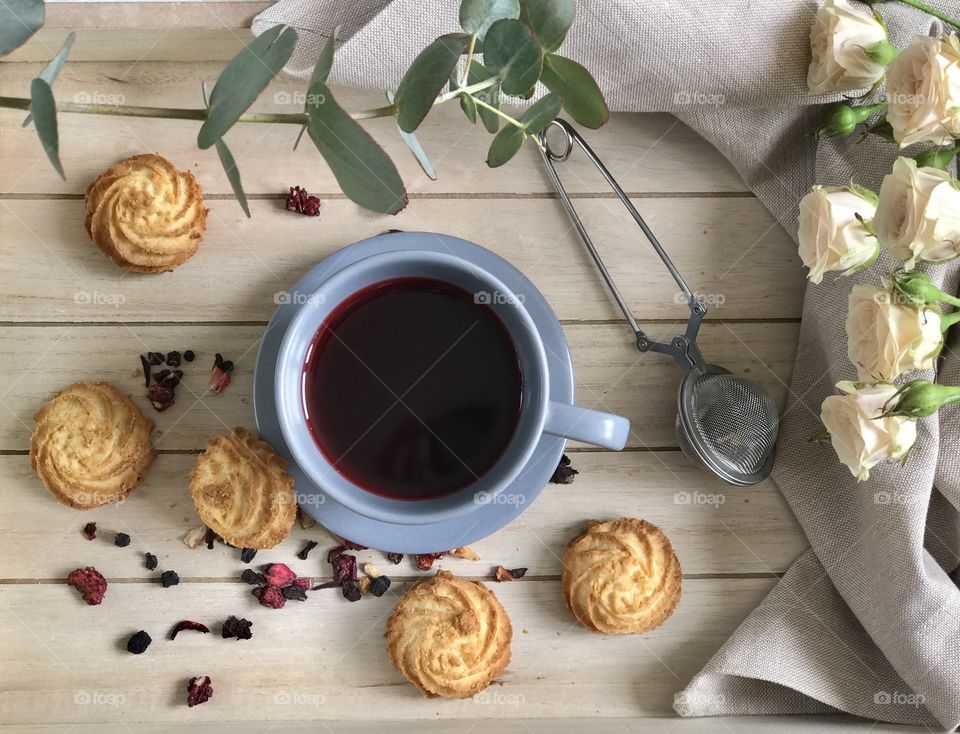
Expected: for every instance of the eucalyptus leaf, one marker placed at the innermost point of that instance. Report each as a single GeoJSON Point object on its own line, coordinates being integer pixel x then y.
{"type": "Point", "coordinates": [362, 168]}
{"type": "Point", "coordinates": [511, 53]}
{"type": "Point", "coordinates": [548, 19]}
{"type": "Point", "coordinates": [321, 70]}
{"type": "Point", "coordinates": [233, 174]}
{"type": "Point", "coordinates": [542, 113]}
{"type": "Point", "coordinates": [246, 76]}
{"type": "Point", "coordinates": [51, 70]}
{"type": "Point", "coordinates": [505, 145]}
{"type": "Point", "coordinates": [425, 78]}
{"type": "Point", "coordinates": [44, 110]}
{"type": "Point", "coordinates": [413, 144]}
{"type": "Point", "coordinates": [469, 107]}
{"type": "Point", "coordinates": [582, 98]}
{"type": "Point", "coordinates": [476, 16]}
{"type": "Point", "coordinates": [19, 19]}
{"type": "Point", "coordinates": [491, 95]}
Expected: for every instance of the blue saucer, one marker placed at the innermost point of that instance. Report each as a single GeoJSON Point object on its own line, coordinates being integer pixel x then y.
{"type": "Point", "coordinates": [485, 519]}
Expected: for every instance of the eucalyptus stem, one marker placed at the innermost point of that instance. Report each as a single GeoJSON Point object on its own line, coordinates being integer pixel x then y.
{"type": "Point", "coordinates": [466, 66]}
{"type": "Point", "coordinates": [510, 120]}
{"type": "Point", "coordinates": [931, 11]}
{"type": "Point", "coordinates": [949, 320]}
{"type": "Point", "coordinates": [478, 87]}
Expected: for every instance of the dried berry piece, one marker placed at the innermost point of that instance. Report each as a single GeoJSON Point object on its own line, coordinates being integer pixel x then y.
{"type": "Point", "coordinates": [239, 628]}
{"type": "Point", "coordinates": [90, 583]}
{"type": "Point", "coordinates": [350, 545]}
{"type": "Point", "coordinates": [379, 585]}
{"type": "Point", "coordinates": [155, 358]}
{"type": "Point", "coordinates": [351, 590]}
{"type": "Point", "coordinates": [122, 540]}
{"type": "Point", "coordinates": [161, 397]}
{"type": "Point", "coordinates": [509, 574]}
{"type": "Point", "coordinates": [293, 592]}
{"type": "Point", "coordinates": [270, 596]}
{"type": "Point", "coordinates": [209, 537]}
{"type": "Point", "coordinates": [220, 374]}
{"type": "Point", "coordinates": [138, 642]}
{"type": "Point", "coordinates": [90, 530]}
{"type": "Point", "coordinates": [425, 560]}
{"type": "Point", "coordinates": [150, 560]}
{"type": "Point", "coordinates": [344, 568]}
{"type": "Point", "coordinates": [160, 376]}
{"type": "Point", "coordinates": [253, 578]}
{"type": "Point", "coordinates": [169, 578]}
{"type": "Point", "coordinates": [564, 473]}
{"type": "Point", "coordinates": [395, 558]}
{"type": "Point", "coordinates": [279, 574]}
{"type": "Point", "coordinates": [199, 690]}
{"type": "Point", "coordinates": [173, 359]}
{"type": "Point", "coordinates": [145, 365]}
{"type": "Point", "coordinates": [188, 355]}
{"type": "Point", "coordinates": [305, 551]}
{"type": "Point", "coordinates": [247, 554]}
{"type": "Point", "coordinates": [186, 624]}
{"type": "Point", "coordinates": [306, 522]}
{"type": "Point", "coordinates": [302, 202]}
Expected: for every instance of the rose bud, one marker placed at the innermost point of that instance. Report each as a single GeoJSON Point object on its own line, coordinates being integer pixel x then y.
{"type": "Point", "coordinates": [848, 47]}
{"type": "Point", "coordinates": [918, 215]}
{"type": "Point", "coordinates": [834, 232]}
{"type": "Point", "coordinates": [886, 338]}
{"type": "Point", "coordinates": [920, 398]}
{"type": "Point", "coordinates": [923, 92]}
{"type": "Point", "coordinates": [917, 289]}
{"type": "Point", "coordinates": [861, 433]}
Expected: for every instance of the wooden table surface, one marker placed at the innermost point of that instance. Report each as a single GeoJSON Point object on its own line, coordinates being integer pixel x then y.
{"type": "Point", "coordinates": [68, 314]}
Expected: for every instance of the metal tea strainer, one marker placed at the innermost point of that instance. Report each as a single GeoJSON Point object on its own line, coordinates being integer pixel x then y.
{"type": "Point", "coordinates": [724, 423]}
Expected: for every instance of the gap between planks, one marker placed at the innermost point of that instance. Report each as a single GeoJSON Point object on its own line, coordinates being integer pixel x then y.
{"type": "Point", "coordinates": [438, 195]}
{"type": "Point", "coordinates": [563, 322]}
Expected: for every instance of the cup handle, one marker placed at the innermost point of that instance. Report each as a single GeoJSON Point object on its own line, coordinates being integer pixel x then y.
{"type": "Point", "coordinates": [590, 426]}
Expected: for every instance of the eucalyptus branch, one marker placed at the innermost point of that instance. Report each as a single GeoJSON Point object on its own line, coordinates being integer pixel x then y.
{"type": "Point", "coordinates": [510, 120]}
{"type": "Point", "coordinates": [466, 66]}
{"type": "Point", "coordinates": [931, 11]}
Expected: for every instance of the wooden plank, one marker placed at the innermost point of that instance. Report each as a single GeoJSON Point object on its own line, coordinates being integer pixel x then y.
{"type": "Point", "coordinates": [325, 658]}
{"type": "Point", "coordinates": [52, 272]}
{"type": "Point", "coordinates": [715, 529]}
{"type": "Point", "coordinates": [652, 153]}
{"type": "Point", "coordinates": [122, 15]}
{"type": "Point", "coordinates": [36, 362]}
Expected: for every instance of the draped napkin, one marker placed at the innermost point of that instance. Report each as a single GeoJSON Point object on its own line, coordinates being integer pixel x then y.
{"type": "Point", "coordinates": [868, 620]}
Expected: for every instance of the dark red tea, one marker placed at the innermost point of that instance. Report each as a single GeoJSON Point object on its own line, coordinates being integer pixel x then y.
{"type": "Point", "coordinates": [412, 389]}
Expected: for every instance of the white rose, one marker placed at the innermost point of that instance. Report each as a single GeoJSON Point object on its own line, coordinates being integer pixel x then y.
{"type": "Point", "coordinates": [830, 235]}
{"type": "Point", "coordinates": [923, 92]}
{"type": "Point", "coordinates": [886, 338]}
{"type": "Point", "coordinates": [918, 215]}
{"type": "Point", "coordinates": [838, 40]}
{"type": "Point", "coordinates": [859, 436]}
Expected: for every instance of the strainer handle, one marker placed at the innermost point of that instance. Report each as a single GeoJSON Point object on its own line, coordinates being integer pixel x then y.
{"type": "Point", "coordinates": [682, 348]}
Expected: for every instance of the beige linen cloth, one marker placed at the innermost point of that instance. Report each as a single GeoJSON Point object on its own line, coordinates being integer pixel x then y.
{"type": "Point", "coordinates": [868, 620]}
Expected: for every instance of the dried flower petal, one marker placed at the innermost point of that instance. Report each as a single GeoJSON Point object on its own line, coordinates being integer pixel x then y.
{"type": "Point", "coordinates": [425, 560]}
{"type": "Point", "coordinates": [161, 397]}
{"type": "Point", "coordinates": [351, 590]}
{"type": "Point", "coordinates": [350, 545]}
{"type": "Point", "coordinates": [90, 583]}
{"type": "Point", "coordinates": [270, 596]}
{"type": "Point", "coordinates": [305, 551]}
{"type": "Point", "coordinates": [465, 552]}
{"type": "Point", "coordinates": [395, 558]}
{"type": "Point", "coordinates": [306, 522]}
{"type": "Point", "coordinates": [209, 537]}
{"type": "Point", "coordinates": [239, 628]}
{"type": "Point", "coordinates": [279, 574]}
{"type": "Point", "coordinates": [188, 625]}
{"type": "Point", "coordinates": [302, 202]}
{"type": "Point", "coordinates": [293, 592]}
{"type": "Point", "coordinates": [564, 473]}
{"type": "Point", "coordinates": [371, 570]}
{"type": "Point", "coordinates": [253, 578]}
{"type": "Point", "coordinates": [194, 538]}
{"type": "Point", "coordinates": [509, 574]}
{"type": "Point", "coordinates": [90, 530]}
{"type": "Point", "coordinates": [344, 568]}
{"type": "Point", "coordinates": [199, 690]}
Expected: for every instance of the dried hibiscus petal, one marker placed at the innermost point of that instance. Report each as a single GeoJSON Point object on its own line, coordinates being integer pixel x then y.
{"type": "Point", "coordinates": [199, 690]}
{"type": "Point", "coordinates": [90, 530]}
{"type": "Point", "coordinates": [161, 397]}
{"type": "Point", "coordinates": [188, 625]}
{"type": "Point", "coordinates": [302, 202]}
{"type": "Point", "coordinates": [350, 545]}
{"type": "Point", "coordinates": [351, 590]}
{"type": "Point", "coordinates": [303, 582]}
{"type": "Point", "coordinates": [90, 583]}
{"type": "Point", "coordinates": [293, 593]}
{"type": "Point", "coordinates": [344, 568]}
{"type": "Point", "coordinates": [209, 537]}
{"type": "Point", "coordinates": [509, 574]}
{"type": "Point", "coordinates": [279, 575]}
{"type": "Point", "coordinates": [395, 558]}
{"type": "Point", "coordinates": [270, 596]}
{"type": "Point", "coordinates": [564, 473]}
{"type": "Point", "coordinates": [305, 551]}
{"type": "Point", "coordinates": [220, 374]}
{"type": "Point", "coordinates": [239, 628]}
{"type": "Point", "coordinates": [425, 560]}
{"type": "Point", "coordinates": [253, 578]}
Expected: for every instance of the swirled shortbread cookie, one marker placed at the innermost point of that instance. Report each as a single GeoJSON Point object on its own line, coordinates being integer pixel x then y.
{"type": "Point", "coordinates": [449, 637]}
{"type": "Point", "coordinates": [621, 577]}
{"type": "Point", "coordinates": [242, 491]}
{"type": "Point", "coordinates": [91, 445]}
{"type": "Point", "coordinates": [145, 214]}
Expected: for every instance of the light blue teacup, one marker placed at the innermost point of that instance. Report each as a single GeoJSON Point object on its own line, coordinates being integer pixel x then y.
{"type": "Point", "coordinates": [538, 414]}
